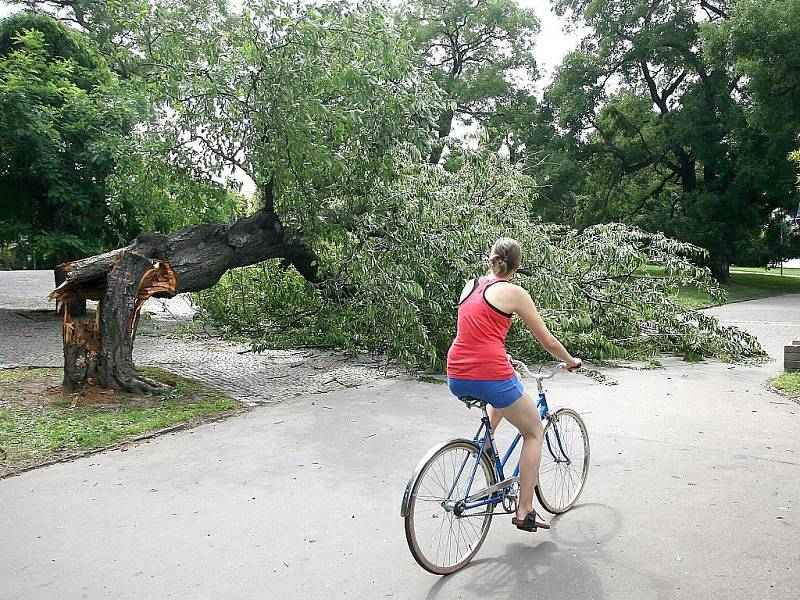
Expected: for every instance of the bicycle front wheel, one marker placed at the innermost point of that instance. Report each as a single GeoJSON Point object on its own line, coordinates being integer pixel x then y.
{"type": "Point", "coordinates": [440, 540]}
{"type": "Point", "coordinates": [565, 461]}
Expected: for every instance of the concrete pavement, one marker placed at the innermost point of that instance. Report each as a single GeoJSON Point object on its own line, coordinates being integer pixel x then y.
{"type": "Point", "coordinates": [693, 492]}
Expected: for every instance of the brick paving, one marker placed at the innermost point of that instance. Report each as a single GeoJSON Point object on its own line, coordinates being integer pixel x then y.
{"type": "Point", "coordinates": [30, 335]}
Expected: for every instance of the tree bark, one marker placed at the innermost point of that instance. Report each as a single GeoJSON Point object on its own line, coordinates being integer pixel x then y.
{"type": "Point", "coordinates": [445, 126]}
{"type": "Point", "coordinates": [99, 351]}
{"type": "Point", "coordinates": [721, 272]}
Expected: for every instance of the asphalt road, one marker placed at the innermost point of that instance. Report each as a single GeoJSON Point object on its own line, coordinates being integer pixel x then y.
{"type": "Point", "coordinates": [693, 492]}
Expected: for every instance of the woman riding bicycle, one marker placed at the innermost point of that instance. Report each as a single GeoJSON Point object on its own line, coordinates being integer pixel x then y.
{"type": "Point", "coordinates": [477, 364]}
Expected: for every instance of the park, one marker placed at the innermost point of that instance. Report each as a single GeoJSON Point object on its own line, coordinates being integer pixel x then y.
{"type": "Point", "coordinates": [233, 236]}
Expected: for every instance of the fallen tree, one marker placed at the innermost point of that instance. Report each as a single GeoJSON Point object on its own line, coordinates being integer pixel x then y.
{"type": "Point", "coordinates": [609, 292]}
{"type": "Point", "coordinates": [310, 104]}
{"type": "Point", "coordinates": [99, 349]}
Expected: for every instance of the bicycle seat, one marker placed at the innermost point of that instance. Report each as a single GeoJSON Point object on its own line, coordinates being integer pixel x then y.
{"type": "Point", "coordinates": [470, 401]}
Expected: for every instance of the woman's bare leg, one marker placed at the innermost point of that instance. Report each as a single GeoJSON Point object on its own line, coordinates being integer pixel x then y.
{"type": "Point", "coordinates": [495, 416]}
{"type": "Point", "coordinates": [524, 415]}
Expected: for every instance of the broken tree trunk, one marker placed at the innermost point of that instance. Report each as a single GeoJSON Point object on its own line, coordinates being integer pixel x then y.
{"type": "Point", "coordinates": [99, 350]}
{"type": "Point", "coordinates": [77, 308]}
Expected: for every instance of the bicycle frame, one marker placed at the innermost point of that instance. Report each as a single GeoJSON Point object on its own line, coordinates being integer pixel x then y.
{"type": "Point", "coordinates": [487, 495]}
{"type": "Point", "coordinates": [483, 437]}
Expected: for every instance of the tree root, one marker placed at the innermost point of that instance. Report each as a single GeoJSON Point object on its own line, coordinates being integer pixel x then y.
{"type": "Point", "coordinates": [129, 379]}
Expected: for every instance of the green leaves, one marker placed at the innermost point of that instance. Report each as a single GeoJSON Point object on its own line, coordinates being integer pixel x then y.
{"type": "Point", "coordinates": [672, 110]}
{"type": "Point", "coordinates": [63, 115]}
{"type": "Point", "coordinates": [395, 275]}
{"type": "Point", "coordinates": [314, 99]}
{"type": "Point", "coordinates": [475, 51]}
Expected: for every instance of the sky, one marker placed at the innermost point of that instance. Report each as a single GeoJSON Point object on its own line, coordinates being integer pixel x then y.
{"type": "Point", "coordinates": [553, 42]}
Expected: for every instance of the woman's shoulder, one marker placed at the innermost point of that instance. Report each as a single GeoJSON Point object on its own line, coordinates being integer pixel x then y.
{"type": "Point", "coordinates": [503, 284]}
{"type": "Point", "coordinates": [505, 289]}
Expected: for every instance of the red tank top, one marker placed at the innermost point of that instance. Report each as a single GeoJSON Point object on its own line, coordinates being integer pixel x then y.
{"type": "Point", "coordinates": [478, 352]}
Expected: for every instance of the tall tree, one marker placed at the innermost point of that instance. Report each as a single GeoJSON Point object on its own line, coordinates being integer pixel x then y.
{"type": "Point", "coordinates": [63, 113]}
{"type": "Point", "coordinates": [478, 51]}
{"type": "Point", "coordinates": [527, 129]}
{"type": "Point", "coordinates": [664, 125]}
{"type": "Point", "coordinates": [112, 25]}
{"type": "Point", "coordinates": [313, 104]}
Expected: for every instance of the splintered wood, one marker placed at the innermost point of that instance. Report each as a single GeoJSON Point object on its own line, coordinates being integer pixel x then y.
{"type": "Point", "coordinates": [83, 334]}
{"type": "Point", "coordinates": [158, 281]}
{"type": "Point", "coordinates": [86, 279]}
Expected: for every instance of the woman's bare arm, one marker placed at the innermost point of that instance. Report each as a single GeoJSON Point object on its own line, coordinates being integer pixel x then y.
{"type": "Point", "coordinates": [526, 309]}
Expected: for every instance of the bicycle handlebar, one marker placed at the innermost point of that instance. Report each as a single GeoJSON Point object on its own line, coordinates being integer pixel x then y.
{"type": "Point", "coordinates": [538, 376]}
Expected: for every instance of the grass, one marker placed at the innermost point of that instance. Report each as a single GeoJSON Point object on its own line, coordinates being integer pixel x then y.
{"type": "Point", "coordinates": [17, 375]}
{"type": "Point", "coordinates": [773, 270]}
{"type": "Point", "coordinates": [744, 286]}
{"type": "Point", "coordinates": [39, 423]}
{"type": "Point", "coordinates": [789, 383]}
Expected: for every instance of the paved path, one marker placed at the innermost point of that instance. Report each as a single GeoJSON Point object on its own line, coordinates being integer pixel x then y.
{"type": "Point", "coordinates": [693, 493]}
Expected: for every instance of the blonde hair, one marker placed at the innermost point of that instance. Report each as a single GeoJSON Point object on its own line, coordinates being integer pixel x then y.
{"type": "Point", "coordinates": [505, 257]}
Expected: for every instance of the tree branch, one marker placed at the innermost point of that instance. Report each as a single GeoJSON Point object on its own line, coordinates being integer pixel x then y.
{"type": "Point", "coordinates": [655, 192]}
{"type": "Point", "coordinates": [674, 86]}
{"type": "Point", "coordinates": [651, 85]}
{"type": "Point", "coordinates": [715, 9]}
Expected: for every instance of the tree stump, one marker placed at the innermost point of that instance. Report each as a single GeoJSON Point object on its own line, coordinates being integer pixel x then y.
{"type": "Point", "coordinates": [99, 350]}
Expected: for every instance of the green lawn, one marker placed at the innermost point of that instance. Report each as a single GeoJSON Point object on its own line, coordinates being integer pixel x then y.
{"type": "Point", "coordinates": [773, 271]}
{"type": "Point", "coordinates": [38, 422]}
{"type": "Point", "coordinates": [789, 383]}
{"type": "Point", "coordinates": [744, 286]}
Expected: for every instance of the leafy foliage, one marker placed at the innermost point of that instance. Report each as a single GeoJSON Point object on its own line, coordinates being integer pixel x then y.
{"type": "Point", "coordinates": [63, 114]}
{"type": "Point", "coordinates": [307, 101]}
{"type": "Point", "coordinates": [479, 53]}
{"type": "Point", "coordinates": [759, 39]}
{"type": "Point", "coordinates": [670, 133]}
{"type": "Point", "coordinates": [399, 273]}
{"type": "Point", "coordinates": [150, 193]}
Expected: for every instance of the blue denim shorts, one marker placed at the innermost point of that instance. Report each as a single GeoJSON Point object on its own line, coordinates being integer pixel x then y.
{"type": "Point", "coordinates": [500, 394]}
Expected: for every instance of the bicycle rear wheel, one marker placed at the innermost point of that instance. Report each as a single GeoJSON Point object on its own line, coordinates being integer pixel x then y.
{"type": "Point", "coordinates": [440, 541]}
{"type": "Point", "coordinates": [565, 461]}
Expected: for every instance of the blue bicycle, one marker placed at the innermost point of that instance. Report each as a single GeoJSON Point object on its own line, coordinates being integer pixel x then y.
{"type": "Point", "coordinates": [446, 522]}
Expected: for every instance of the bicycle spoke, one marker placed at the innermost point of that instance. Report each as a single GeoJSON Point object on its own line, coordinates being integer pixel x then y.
{"type": "Point", "coordinates": [563, 469]}
{"type": "Point", "coordinates": [440, 540]}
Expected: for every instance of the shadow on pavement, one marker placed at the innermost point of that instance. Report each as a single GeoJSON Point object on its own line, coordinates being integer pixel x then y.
{"type": "Point", "coordinates": [571, 565]}
{"type": "Point", "coordinates": [543, 570]}
{"type": "Point", "coordinates": [586, 525]}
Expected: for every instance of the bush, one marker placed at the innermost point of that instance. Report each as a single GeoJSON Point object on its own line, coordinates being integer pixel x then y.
{"type": "Point", "coordinates": [11, 258]}
{"type": "Point", "coordinates": [397, 261]}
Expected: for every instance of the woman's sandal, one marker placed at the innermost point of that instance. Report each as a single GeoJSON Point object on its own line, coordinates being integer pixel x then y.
{"type": "Point", "coordinates": [530, 522]}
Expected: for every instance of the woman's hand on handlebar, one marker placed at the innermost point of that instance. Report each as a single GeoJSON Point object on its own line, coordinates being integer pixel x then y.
{"type": "Point", "coordinates": [574, 364]}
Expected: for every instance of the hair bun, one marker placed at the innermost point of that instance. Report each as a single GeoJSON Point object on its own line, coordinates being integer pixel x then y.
{"type": "Point", "coordinates": [505, 256]}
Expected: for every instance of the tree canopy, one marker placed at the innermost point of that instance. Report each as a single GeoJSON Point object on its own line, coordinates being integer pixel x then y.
{"type": "Point", "coordinates": [658, 106]}
{"type": "Point", "coordinates": [63, 114]}
{"type": "Point", "coordinates": [479, 54]}
{"type": "Point", "coordinates": [660, 147]}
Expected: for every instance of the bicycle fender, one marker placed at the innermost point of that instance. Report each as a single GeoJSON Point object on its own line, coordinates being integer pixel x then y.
{"type": "Point", "coordinates": [428, 455]}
